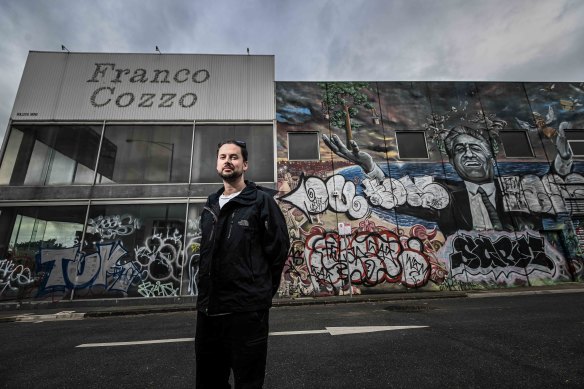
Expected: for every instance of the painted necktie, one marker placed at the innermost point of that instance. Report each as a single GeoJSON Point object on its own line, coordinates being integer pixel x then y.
{"type": "Point", "coordinates": [490, 210]}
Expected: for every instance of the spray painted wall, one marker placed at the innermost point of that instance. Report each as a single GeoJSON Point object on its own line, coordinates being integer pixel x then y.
{"type": "Point", "coordinates": [362, 218]}
{"type": "Point", "coordinates": [459, 212]}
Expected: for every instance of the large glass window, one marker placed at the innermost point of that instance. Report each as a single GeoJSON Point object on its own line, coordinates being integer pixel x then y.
{"type": "Point", "coordinates": [38, 247]}
{"type": "Point", "coordinates": [50, 155]}
{"type": "Point", "coordinates": [139, 246]}
{"type": "Point", "coordinates": [260, 146]}
{"type": "Point", "coordinates": [145, 154]}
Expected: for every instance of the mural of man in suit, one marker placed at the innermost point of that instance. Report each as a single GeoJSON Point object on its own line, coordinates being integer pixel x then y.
{"type": "Point", "coordinates": [476, 203]}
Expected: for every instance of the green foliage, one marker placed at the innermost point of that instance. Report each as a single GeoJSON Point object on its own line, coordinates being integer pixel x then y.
{"type": "Point", "coordinates": [338, 96]}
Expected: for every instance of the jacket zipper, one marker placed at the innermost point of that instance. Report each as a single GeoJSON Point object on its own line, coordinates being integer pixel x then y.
{"type": "Point", "coordinates": [231, 224]}
{"type": "Point", "coordinates": [215, 219]}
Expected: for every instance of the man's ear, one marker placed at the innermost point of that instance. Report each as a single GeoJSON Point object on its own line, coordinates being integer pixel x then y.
{"type": "Point", "coordinates": [245, 166]}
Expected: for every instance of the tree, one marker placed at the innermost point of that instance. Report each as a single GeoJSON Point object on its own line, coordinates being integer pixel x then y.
{"type": "Point", "coordinates": [341, 101]}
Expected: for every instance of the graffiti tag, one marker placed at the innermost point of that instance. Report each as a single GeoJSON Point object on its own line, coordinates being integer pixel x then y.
{"type": "Point", "coordinates": [69, 268]}
{"type": "Point", "coordinates": [13, 276]}
{"type": "Point", "coordinates": [109, 227]}
{"type": "Point", "coordinates": [508, 258]}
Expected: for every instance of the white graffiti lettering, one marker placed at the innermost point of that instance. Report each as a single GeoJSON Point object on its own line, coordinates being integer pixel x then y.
{"type": "Point", "coordinates": [549, 194]}
{"type": "Point", "coordinates": [419, 192]}
{"type": "Point", "coordinates": [13, 276]}
{"type": "Point", "coordinates": [314, 196]}
{"type": "Point", "coordinates": [109, 227]}
{"type": "Point", "coordinates": [159, 255]}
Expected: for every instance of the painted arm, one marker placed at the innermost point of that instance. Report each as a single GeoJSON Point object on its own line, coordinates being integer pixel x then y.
{"type": "Point", "coordinates": [563, 161]}
{"type": "Point", "coordinates": [358, 157]}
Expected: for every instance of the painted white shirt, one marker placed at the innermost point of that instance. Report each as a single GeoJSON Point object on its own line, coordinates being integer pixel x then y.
{"type": "Point", "coordinates": [480, 215]}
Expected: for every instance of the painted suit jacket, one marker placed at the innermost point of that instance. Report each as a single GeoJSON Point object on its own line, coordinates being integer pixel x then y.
{"type": "Point", "coordinates": [458, 215]}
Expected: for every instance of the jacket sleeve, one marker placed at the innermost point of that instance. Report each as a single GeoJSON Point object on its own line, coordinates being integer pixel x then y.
{"type": "Point", "coordinates": [275, 239]}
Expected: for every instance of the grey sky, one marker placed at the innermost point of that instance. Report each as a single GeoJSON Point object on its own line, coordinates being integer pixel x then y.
{"type": "Point", "coordinates": [495, 40]}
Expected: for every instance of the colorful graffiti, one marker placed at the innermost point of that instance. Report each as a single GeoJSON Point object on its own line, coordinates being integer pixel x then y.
{"type": "Point", "coordinates": [464, 212]}
{"type": "Point", "coordinates": [466, 186]}
{"type": "Point", "coordinates": [325, 262]}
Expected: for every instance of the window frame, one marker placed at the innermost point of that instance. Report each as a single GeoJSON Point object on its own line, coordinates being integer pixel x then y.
{"type": "Point", "coordinates": [412, 132]}
{"type": "Point", "coordinates": [526, 134]}
{"type": "Point", "coordinates": [317, 133]}
{"type": "Point", "coordinates": [578, 141]}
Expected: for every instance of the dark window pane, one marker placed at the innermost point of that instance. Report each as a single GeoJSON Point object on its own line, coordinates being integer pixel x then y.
{"type": "Point", "coordinates": [411, 145]}
{"type": "Point", "coordinates": [303, 146]}
{"type": "Point", "coordinates": [50, 155]}
{"type": "Point", "coordinates": [577, 148]}
{"type": "Point", "coordinates": [146, 154]}
{"type": "Point", "coordinates": [516, 144]}
{"type": "Point", "coordinates": [576, 141]}
{"type": "Point", "coordinates": [575, 134]}
{"type": "Point", "coordinates": [260, 148]}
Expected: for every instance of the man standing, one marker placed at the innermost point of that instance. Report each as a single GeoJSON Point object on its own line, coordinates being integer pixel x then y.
{"type": "Point", "coordinates": [244, 245]}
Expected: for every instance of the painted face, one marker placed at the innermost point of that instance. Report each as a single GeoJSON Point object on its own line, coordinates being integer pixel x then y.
{"type": "Point", "coordinates": [230, 163]}
{"type": "Point", "coordinates": [472, 159]}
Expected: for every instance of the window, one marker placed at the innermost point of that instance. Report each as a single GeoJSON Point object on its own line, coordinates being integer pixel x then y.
{"type": "Point", "coordinates": [516, 144]}
{"type": "Point", "coordinates": [50, 155]}
{"type": "Point", "coordinates": [303, 146]}
{"type": "Point", "coordinates": [260, 147]}
{"type": "Point", "coordinates": [576, 142]}
{"type": "Point", "coordinates": [411, 145]}
{"type": "Point", "coordinates": [145, 154]}
{"type": "Point", "coordinates": [141, 247]}
{"type": "Point", "coordinates": [37, 242]}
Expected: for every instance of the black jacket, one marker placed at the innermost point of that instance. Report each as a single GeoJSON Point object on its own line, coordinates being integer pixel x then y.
{"type": "Point", "coordinates": [243, 249]}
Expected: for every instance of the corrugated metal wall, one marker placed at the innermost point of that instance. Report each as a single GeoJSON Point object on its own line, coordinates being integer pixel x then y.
{"type": "Point", "coordinates": [84, 86]}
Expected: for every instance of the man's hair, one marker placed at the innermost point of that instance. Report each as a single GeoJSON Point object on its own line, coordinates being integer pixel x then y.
{"type": "Point", "coordinates": [242, 145]}
{"type": "Point", "coordinates": [463, 130]}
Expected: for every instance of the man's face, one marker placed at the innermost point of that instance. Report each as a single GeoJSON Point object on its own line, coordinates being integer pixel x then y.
{"type": "Point", "coordinates": [472, 159]}
{"type": "Point", "coordinates": [230, 163]}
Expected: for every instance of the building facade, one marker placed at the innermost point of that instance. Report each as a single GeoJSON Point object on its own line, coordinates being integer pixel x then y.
{"type": "Point", "coordinates": [108, 160]}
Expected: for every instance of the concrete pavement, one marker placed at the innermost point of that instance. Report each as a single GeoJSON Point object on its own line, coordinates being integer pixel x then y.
{"type": "Point", "coordinates": [31, 311]}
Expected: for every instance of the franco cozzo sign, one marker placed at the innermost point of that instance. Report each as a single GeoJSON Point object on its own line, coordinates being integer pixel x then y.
{"type": "Point", "coordinates": [91, 86]}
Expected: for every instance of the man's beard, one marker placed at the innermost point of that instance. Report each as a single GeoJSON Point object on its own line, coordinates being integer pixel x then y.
{"type": "Point", "coordinates": [230, 177]}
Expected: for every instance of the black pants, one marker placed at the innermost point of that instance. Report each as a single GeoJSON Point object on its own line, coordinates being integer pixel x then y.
{"type": "Point", "coordinates": [238, 342]}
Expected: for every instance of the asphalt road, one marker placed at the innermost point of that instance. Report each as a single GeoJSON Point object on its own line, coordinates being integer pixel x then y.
{"type": "Point", "coordinates": [531, 341]}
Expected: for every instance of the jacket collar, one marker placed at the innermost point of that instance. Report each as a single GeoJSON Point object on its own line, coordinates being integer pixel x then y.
{"type": "Point", "coordinates": [247, 195]}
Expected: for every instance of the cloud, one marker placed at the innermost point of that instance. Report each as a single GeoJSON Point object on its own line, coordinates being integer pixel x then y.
{"type": "Point", "coordinates": [313, 40]}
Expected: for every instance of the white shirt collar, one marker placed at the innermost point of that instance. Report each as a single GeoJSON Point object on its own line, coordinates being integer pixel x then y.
{"type": "Point", "coordinates": [473, 188]}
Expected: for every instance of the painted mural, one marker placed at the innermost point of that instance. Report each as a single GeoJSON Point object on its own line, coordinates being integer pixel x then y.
{"type": "Point", "coordinates": [454, 210]}
{"type": "Point", "coordinates": [432, 186]}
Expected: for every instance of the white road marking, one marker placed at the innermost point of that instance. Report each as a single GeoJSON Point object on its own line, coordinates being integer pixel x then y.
{"type": "Point", "coordinates": [283, 333]}
{"type": "Point", "coordinates": [156, 341]}
{"type": "Point", "coordinates": [334, 331]}
{"type": "Point", "coordinates": [64, 315]}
